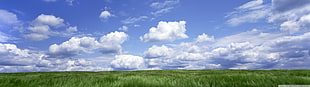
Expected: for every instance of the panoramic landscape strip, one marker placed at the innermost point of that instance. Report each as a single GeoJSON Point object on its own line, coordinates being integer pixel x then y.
{"type": "Point", "coordinates": [158, 78]}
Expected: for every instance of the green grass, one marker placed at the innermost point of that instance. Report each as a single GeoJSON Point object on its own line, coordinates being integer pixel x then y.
{"type": "Point", "coordinates": [158, 78]}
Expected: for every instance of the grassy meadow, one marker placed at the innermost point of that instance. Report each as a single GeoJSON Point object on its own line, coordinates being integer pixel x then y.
{"type": "Point", "coordinates": [158, 78]}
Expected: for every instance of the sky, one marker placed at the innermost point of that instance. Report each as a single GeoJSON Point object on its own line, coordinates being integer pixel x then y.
{"type": "Point", "coordinates": [109, 35]}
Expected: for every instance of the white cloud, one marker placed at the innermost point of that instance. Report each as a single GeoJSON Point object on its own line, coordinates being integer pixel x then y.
{"type": "Point", "coordinates": [7, 17]}
{"type": "Point", "coordinates": [123, 28]}
{"type": "Point", "coordinates": [50, 0]}
{"type": "Point", "coordinates": [42, 29]}
{"type": "Point", "coordinates": [70, 2]}
{"type": "Point", "coordinates": [13, 56]}
{"type": "Point", "coordinates": [247, 50]}
{"type": "Point", "coordinates": [158, 51]}
{"type": "Point", "coordinates": [290, 27]}
{"type": "Point", "coordinates": [73, 47]}
{"type": "Point", "coordinates": [254, 36]}
{"type": "Point", "coordinates": [14, 59]}
{"type": "Point", "coordinates": [105, 15]}
{"type": "Point", "coordinates": [166, 31]}
{"type": "Point", "coordinates": [72, 29]}
{"type": "Point", "coordinates": [203, 38]}
{"type": "Point", "coordinates": [293, 26]}
{"type": "Point", "coordinates": [249, 17]}
{"type": "Point", "coordinates": [48, 20]}
{"type": "Point", "coordinates": [44, 26]}
{"type": "Point", "coordinates": [289, 14]}
{"type": "Point", "coordinates": [250, 12]}
{"type": "Point", "coordinates": [128, 62]}
{"type": "Point", "coordinates": [163, 7]}
{"type": "Point", "coordinates": [252, 4]}
{"type": "Point", "coordinates": [131, 20]}
{"type": "Point", "coordinates": [164, 4]}
{"type": "Point", "coordinates": [111, 43]}
{"type": "Point", "coordinates": [162, 11]}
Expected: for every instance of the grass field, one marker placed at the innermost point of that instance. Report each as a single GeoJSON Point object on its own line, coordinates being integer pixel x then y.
{"type": "Point", "coordinates": [158, 78]}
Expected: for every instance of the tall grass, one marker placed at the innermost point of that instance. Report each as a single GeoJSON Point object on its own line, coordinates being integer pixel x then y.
{"type": "Point", "coordinates": [158, 78]}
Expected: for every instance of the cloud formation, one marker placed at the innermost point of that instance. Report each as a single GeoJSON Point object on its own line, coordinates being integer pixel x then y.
{"type": "Point", "coordinates": [166, 31]}
{"type": "Point", "coordinates": [277, 52]}
{"type": "Point", "coordinates": [14, 59]}
{"type": "Point", "coordinates": [158, 51]}
{"type": "Point", "coordinates": [108, 44]}
{"type": "Point", "coordinates": [292, 16]}
{"type": "Point", "coordinates": [163, 7]}
{"type": "Point", "coordinates": [250, 12]}
{"type": "Point", "coordinates": [111, 43]}
{"type": "Point", "coordinates": [7, 18]}
{"type": "Point", "coordinates": [128, 62]}
{"type": "Point", "coordinates": [70, 2]}
{"type": "Point", "coordinates": [73, 47]}
{"type": "Point", "coordinates": [204, 38]}
{"type": "Point", "coordinates": [44, 26]}
{"type": "Point", "coordinates": [131, 20]}
{"type": "Point", "coordinates": [105, 15]}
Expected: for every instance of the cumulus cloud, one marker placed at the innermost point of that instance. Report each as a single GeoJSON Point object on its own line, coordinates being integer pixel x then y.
{"type": "Point", "coordinates": [49, 20]}
{"type": "Point", "coordinates": [105, 15]}
{"type": "Point", "coordinates": [158, 51]}
{"type": "Point", "coordinates": [293, 26]}
{"type": "Point", "coordinates": [128, 62]}
{"type": "Point", "coordinates": [259, 50]}
{"type": "Point", "coordinates": [203, 38]}
{"type": "Point", "coordinates": [166, 31]}
{"type": "Point", "coordinates": [43, 27]}
{"type": "Point", "coordinates": [111, 43]}
{"type": "Point", "coordinates": [163, 7]}
{"type": "Point", "coordinates": [176, 56]}
{"type": "Point", "coordinates": [13, 56]}
{"type": "Point", "coordinates": [14, 59]}
{"type": "Point", "coordinates": [131, 20]}
{"type": "Point", "coordinates": [288, 52]}
{"type": "Point", "coordinates": [73, 47]}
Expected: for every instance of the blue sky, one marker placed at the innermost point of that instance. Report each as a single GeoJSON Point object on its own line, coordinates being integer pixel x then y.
{"type": "Point", "coordinates": [104, 35]}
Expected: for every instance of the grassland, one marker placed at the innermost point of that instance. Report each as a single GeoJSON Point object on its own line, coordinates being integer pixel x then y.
{"type": "Point", "coordinates": [158, 78]}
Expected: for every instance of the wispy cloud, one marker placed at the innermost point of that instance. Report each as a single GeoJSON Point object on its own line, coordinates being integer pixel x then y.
{"type": "Point", "coordinates": [250, 12]}
{"type": "Point", "coordinates": [131, 20]}
{"type": "Point", "coordinates": [163, 7]}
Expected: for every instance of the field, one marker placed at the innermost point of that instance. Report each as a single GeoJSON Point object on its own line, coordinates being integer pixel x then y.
{"type": "Point", "coordinates": [158, 78]}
